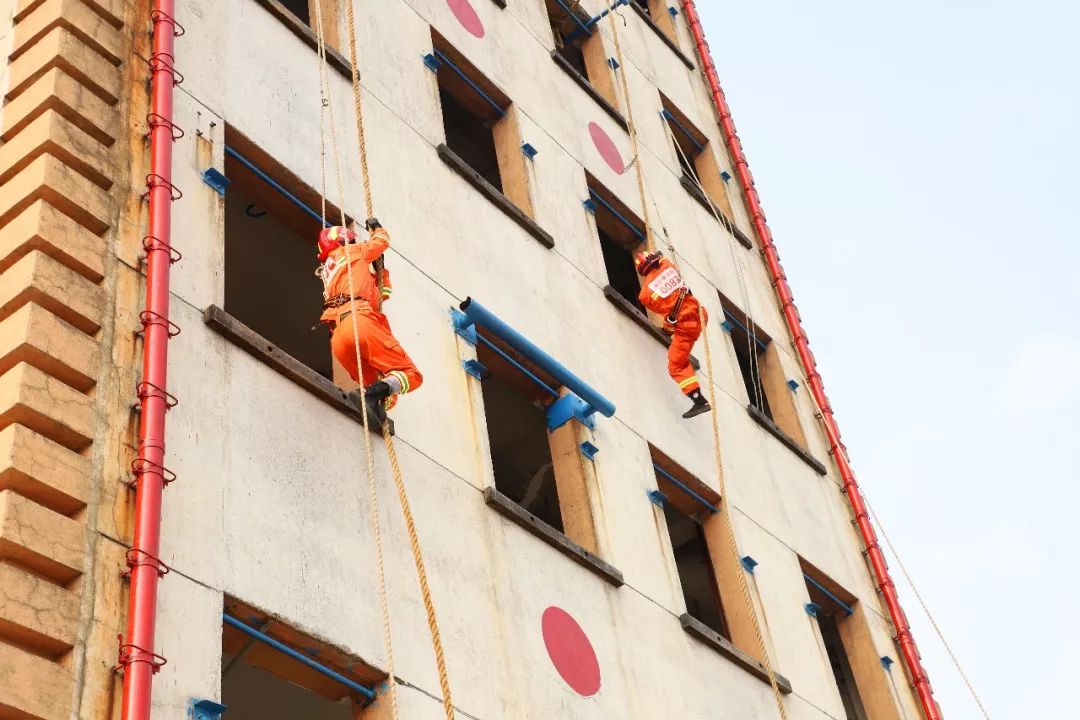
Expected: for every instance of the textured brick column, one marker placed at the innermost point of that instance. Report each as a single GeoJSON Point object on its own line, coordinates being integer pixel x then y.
{"type": "Point", "coordinates": [65, 168]}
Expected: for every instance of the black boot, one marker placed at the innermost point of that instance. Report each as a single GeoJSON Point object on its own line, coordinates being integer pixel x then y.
{"type": "Point", "coordinates": [375, 398]}
{"type": "Point", "coordinates": [701, 405]}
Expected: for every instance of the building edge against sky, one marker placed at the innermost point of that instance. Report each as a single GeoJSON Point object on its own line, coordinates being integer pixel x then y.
{"type": "Point", "coordinates": [578, 563]}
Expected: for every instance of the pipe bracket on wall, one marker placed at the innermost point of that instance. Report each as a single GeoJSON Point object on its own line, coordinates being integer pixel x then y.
{"type": "Point", "coordinates": [216, 180]}
{"type": "Point", "coordinates": [589, 450]}
{"type": "Point", "coordinates": [748, 563]}
{"type": "Point", "coordinates": [569, 407]}
{"type": "Point", "coordinates": [205, 710]}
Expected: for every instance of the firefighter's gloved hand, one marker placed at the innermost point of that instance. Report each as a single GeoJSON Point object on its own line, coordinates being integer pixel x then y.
{"type": "Point", "coordinates": [372, 223]}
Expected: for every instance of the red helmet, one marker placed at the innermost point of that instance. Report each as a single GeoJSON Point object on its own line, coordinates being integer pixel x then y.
{"type": "Point", "coordinates": [645, 261]}
{"type": "Point", "coordinates": [333, 237]}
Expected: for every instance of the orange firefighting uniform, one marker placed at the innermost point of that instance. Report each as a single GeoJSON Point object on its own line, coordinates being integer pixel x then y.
{"type": "Point", "coordinates": [660, 293]}
{"type": "Point", "coordinates": [381, 355]}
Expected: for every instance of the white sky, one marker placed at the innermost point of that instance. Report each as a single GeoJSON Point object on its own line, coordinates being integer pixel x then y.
{"type": "Point", "coordinates": [918, 163]}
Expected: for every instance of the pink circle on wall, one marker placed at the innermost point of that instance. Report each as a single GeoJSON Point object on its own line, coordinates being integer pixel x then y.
{"type": "Point", "coordinates": [467, 16]}
{"type": "Point", "coordinates": [606, 147]}
{"type": "Point", "coordinates": [571, 652]}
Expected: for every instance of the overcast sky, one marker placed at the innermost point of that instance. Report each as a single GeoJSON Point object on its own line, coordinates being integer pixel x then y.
{"type": "Point", "coordinates": [918, 163]}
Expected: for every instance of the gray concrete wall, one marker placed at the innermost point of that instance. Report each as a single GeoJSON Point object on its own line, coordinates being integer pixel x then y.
{"type": "Point", "coordinates": [272, 506]}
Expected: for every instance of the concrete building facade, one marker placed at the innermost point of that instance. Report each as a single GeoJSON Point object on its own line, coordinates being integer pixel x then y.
{"type": "Point", "coordinates": [568, 583]}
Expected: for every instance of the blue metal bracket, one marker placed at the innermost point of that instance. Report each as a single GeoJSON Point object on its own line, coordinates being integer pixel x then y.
{"type": "Point", "coordinates": [588, 449]}
{"type": "Point", "coordinates": [205, 710]}
{"type": "Point", "coordinates": [727, 326]}
{"type": "Point", "coordinates": [725, 175]}
{"type": "Point", "coordinates": [529, 151]}
{"type": "Point", "coordinates": [569, 407]}
{"type": "Point", "coordinates": [463, 326]}
{"type": "Point", "coordinates": [794, 385]}
{"type": "Point", "coordinates": [613, 63]}
{"type": "Point", "coordinates": [657, 498]}
{"type": "Point", "coordinates": [591, 206]}
{"type": "Point", "coordinates": [887, 663]}
{"type": "Point", "coordinates": [216, 180]}
{"type": "Point", "coordinates": [812, 609]}
{"type": "Point", "coordinates": [431, 62]}
{"type": "Point", "coordinates": [748, 563]}
{"type": "Point", "coordinates": [673, 12]}
{"type": "Point", "coordinates": [475, 368]}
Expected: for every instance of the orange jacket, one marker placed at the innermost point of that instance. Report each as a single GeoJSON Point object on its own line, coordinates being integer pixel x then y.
{"type": "Point", "coordinates": [662, 288]}
{"type": "Point", "coordinates": [365, 285]}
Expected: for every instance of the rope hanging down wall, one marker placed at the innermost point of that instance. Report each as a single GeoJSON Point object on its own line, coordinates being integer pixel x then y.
{"type": "Point", "coordinates": [725, 514]}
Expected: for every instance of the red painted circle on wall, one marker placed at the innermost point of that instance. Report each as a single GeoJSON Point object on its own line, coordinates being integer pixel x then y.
{"type": "Point", "coordinates": [571, 652]}
{"type": "Point", "coordinates": [467, 16]}
{"type": "Point", "coordinates": [606, 146]}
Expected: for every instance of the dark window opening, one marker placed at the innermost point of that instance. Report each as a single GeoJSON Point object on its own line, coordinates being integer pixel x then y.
{"type": "Point", "coordinates": [695, 570]}
{"type": "Point", "coordinates": [749, 347]}
{"type": "Point", "coordinates": [622, 276]}
{"type": "Point", "coordinates": [470, 137]}
{"type": "Point", "coordinates": [621, 234]}
{"type": "Point", "coordinates": [516, 412]}
{"type": "Point", "coordinates": [832, 607]}
{"type": "Point", "coordinates": [259, 681]}
{"type": "Point", "coordinates": [480, 122]}
{"type": "Point", "coordinates": [841, 668]}
{"type": "Point", "coordinates": [299, 8]}
{"type": "Point", "coordinates": [254, 694]}
{"type": "Point", "coordinates": [689, 142]}
{"type": "Point", "coordinates": [569, 35]}
{"type": "Point", "coordinates": [684, 515]}
{"type": "Point", "coordinates": [270, 284]}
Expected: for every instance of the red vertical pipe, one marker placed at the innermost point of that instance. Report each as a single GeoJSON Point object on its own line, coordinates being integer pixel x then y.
{"type": "Point", "coordinates": [908, 648]}
{"type": "Point", "coordinates": [136, 656]}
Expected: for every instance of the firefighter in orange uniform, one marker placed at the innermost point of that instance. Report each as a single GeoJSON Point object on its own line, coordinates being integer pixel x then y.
{"type": "Point", "coordinates": [385, 370]}
{"type": "Point", "coordinates": [664, 293]}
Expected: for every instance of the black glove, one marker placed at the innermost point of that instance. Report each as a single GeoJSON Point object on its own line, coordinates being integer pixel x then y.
{"type": "Point", "coordinates": [372, 224]}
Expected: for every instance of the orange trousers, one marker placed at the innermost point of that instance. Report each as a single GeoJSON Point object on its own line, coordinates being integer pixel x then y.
{"type": "Point", "coordinates": [381, 354]}
{"type": "Point", "coordinates": [686, 332]}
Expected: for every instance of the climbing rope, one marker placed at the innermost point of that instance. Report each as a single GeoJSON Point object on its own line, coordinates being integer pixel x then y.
{"type": "Point", "coordinates": [399, 483]}
{"type": "Point", "coordinates": [650, 242]}
{"type": "Point", "coordinates": [376, 530]}
{"type": "Point", "coordinates": [820, 414]}
{"type": "Point", "coordinates": [926, 609]}
{"type": "Point", "coordinates": [725, 513]}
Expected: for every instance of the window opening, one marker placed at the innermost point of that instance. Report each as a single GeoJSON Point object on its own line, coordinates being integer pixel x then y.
{"type": "Point", "coordinates": [481, 126]}
{"type": "Point", "coordinates": [621, 234]}
{"type": "Point", "coordinates": [300, 9]}
{"type": "Point", "coordinates": [270, 228]}
{"type": "Point", "coordinates": [687, 147]}
{"type": "Point", "coordinates": [749, 348]}
{"type": "Point", "coordinates": [684, 511]}
{"type": "Point", "coordinates": [697, 161]}
{"type": "Point", "coordinates": [829, 612]}
{"type": "Point", "coordinates": [270, 670]}
{"type": "Point", "coordinates": [516, 396]}
{"type": "Point", "coordinates": [568, 25]}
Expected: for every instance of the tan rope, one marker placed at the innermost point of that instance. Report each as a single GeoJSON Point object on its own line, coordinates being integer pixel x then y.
{"type": "Point", "coordinates": [926, 609]}
{"type": "Point", "coordinates": [725, 513]}
{"type": "Point", "coordinates": [373, 509]}
{"type": "Point", "coordinates": [650, 241]}
{"type": "Point", "coordinates": [403, 498]}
